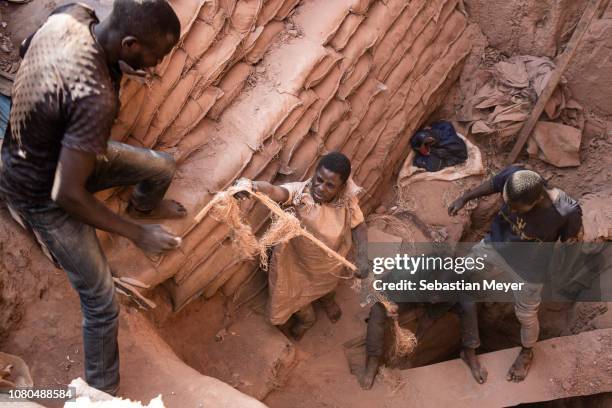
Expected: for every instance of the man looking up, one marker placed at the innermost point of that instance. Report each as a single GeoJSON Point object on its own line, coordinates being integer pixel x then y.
{"type": "Point", "coordinates": [56, 155]}
{"type": "Point", "coordinates": [531, 213]}
{"type": "Point", "coordinates": [300, 272]}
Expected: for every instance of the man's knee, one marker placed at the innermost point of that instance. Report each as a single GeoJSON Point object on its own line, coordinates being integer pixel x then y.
{"type": "Point", "coordinates": [100, 309]}
{"type": "Point", "coordinates": [527, 313]}
{"type": "Point", "coordinates": [166, 163]}
{"type": "Point", "coordinates": [307, 315]}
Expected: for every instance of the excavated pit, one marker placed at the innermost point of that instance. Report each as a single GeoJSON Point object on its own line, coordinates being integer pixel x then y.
{"type": "Point", "coordinates": [261, 89]}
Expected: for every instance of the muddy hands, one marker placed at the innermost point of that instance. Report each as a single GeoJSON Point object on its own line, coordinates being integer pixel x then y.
{"type": "Point", "coordinates": [455, 206]}
{"type": "Point", "coordinates": [155, 239]}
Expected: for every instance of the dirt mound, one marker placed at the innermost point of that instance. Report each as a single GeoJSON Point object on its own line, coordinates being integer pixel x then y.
{"type": "Point", "coordinates": [542, 28]}
{"type": "Point", "coordinates": [19, 253]}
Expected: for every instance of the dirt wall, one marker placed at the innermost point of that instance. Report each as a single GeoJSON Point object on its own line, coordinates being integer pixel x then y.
{"type": "Point", "coordinates": [24, 273]}
{"type": "Point", "coordinates": [530, 27]}
{"type": "Point", "coordinates": [589, 73]}
{"type": "Point", "coordinates": [542, 28]}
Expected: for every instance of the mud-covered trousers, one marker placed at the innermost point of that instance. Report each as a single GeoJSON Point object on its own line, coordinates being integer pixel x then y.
{"type": "Point", "coordinates": [74, 247]}
{"type": "Point", "coordinates": [526, 301]}
{"type": "Point", "coordinates": [377, 320]}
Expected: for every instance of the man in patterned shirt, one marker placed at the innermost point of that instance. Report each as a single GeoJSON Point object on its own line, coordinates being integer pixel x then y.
{"type": "Point", "coordinates": [56, 154]}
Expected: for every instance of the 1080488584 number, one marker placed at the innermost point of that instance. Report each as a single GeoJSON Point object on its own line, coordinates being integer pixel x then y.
{"type": "Point", "coordinates": [42, 394]}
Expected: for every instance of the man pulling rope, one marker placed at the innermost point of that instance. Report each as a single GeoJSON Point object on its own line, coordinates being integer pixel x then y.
{"type": "Point", "coordinates": [300, 272]}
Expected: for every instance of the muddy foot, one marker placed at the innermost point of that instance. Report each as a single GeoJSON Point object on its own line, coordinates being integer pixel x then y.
{"type": "Point", "coordinates": [285, 328]}
{"type": "Point", "coordinates": [332, 310]}
{"type": "Point", "coordinates": [469, 357]}
{"type": "Point", "coordinates": [298, 330]}
{"type": "Point", "coordinates": [521, 365]}
{"type": "Point", "coordinates": [167, 209]}
{"type": "Point", "coordinates": [371, 369]}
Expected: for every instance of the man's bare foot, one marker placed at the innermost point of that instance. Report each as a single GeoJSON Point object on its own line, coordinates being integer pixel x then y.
{"type": "Point", "coordinates": [285, 328]}
{"type": "Point", "coordinates": [480, 374]}
{"type": "Point", "coordinates": [167, 209]}
{"type": "Point", "coordinates": [298, 330]}
{"type": "Point", "coordinates": [520, 368]}
{"type": "Point", "coordinates": [332, 310]}
{"type": "Point", "coordinates": [371, 369]}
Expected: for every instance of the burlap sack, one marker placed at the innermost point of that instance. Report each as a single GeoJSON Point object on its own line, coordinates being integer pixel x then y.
{"type": "Point", "coordinates": [346, 31]}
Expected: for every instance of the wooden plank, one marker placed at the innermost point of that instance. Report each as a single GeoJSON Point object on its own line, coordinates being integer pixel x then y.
{"type": "Point", "coordinates": [563, 367]}
{"type": "Point", "coordinates": [562, 63]}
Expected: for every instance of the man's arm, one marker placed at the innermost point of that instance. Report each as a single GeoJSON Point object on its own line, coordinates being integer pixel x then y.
{"type": "Point", "coordinates": [360, 240]}
{"type": "Point", "coordinates": [482, 190]}
{"type": "Point", "coordinates": [276, 193]}
{"type": "Point", "coordinates": [69, 192]}
{"type": "Point", "coordinates": [494, 185]}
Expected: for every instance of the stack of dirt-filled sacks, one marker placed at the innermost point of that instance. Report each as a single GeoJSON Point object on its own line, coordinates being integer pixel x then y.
{"type": "Point", "coordinates": [261, 89]}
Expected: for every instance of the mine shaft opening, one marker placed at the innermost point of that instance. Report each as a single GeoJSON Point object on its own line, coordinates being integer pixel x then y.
{"type": "Point", "coordinates": [209, 329]}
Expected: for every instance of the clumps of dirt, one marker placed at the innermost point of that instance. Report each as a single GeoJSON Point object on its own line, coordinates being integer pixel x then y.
{"type": "Point", "coordinates": [492, 56]}
{"type": "Point", "coordinates": [291, 31]}
{"type": "Point", "coordinates": [393, 378]}
{"type": "Point", "coordinates": [587, 360]}
{"type": "Point", "coordinates": [584, 314]}
{"type": "Point", "coordinates": [9, 61]}
{"type": "Point", "coordinates": [526, 26]}
{"type": "Point", "coordinates": [23, 274]}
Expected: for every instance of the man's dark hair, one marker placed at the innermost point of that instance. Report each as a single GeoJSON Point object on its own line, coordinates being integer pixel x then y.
{"type": "Point", "coordinates": [524, 187]}
{"type": "Point", "coordinates": [338, 163]}
{"type": "Point", "coordinates": [419, 137]}
{"type": "Point", "coordinates": [153, 22]}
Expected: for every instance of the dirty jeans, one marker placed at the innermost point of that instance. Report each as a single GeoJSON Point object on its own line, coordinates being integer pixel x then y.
{"type": "Point", "coordinates": [5, 108]}
{"type": "Point", "coordinates": [377, 320]}
{"type": "Point", "coordinates": [74, 246]}
{"type": "Point", "coordinates": [526, 301]}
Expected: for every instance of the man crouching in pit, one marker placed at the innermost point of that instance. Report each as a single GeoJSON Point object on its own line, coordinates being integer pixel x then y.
{"type": "Point", "coordinates": [56, 155]}
{"type": "Point", "coordinates": [378, 335]}
{"type": "Point", "coordinates": [532, 213]}
{"type": "Point", "coordinates": [300, 272]}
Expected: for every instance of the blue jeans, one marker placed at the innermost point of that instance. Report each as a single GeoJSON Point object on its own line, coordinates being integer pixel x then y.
{"type": "Point", "coordinates": [74, 246]}
{"type": "Point", "coordinates": [5, 108]}
{"type": "Point", "coordinates": [526, 301]}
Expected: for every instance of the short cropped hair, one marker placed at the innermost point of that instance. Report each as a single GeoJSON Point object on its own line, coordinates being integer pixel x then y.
{"type": "Point", "coordinates": [524, 187]}
{"type": "Point", "coordinates": [150, 21]}
{"type": "Point", "coordinates": [338, 163]}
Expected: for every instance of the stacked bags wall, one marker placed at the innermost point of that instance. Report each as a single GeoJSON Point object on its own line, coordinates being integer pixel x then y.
{"type": "Point", "coordinates": [262, 89]}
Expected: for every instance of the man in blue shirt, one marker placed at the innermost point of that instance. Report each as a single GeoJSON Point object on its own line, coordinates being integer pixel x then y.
{"type": "Point", "coordinates": [532, 213]}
